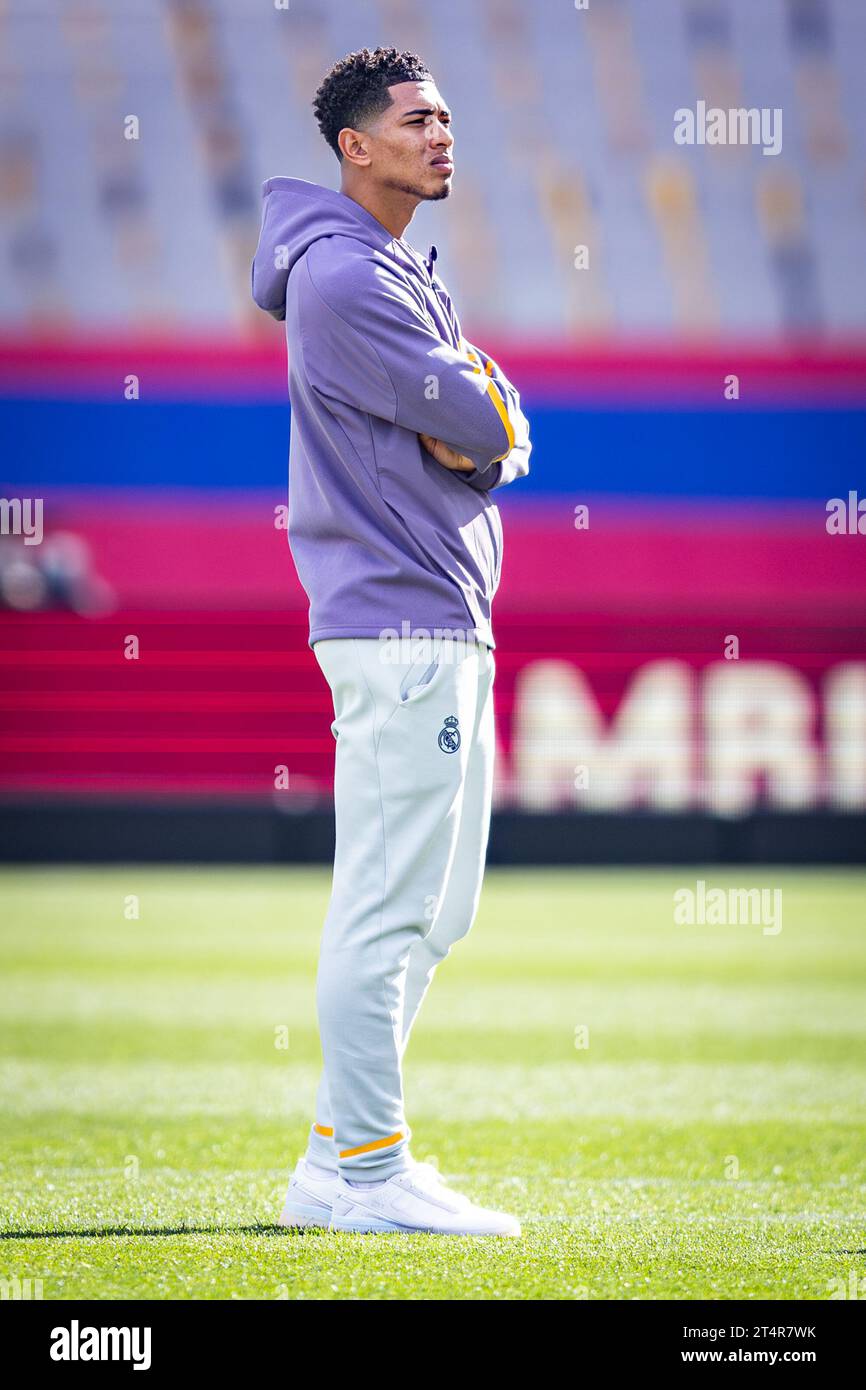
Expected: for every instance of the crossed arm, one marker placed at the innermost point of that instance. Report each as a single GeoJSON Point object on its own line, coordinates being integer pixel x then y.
{"type": "Point", "coordinates": [392, 363]}
{"type": "Point", "coordinates": [515, 464]}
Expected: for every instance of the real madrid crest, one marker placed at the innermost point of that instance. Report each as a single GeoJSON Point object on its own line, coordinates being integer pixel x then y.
{"type": "Point", "coordinates": [449, 735]}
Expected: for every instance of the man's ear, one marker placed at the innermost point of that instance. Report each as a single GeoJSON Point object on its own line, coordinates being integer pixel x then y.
{"type": "Point", "coordinates": [354, 147]}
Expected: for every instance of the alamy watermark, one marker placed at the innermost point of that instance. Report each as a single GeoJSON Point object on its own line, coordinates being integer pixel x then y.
{"type": "Point", "coordinates": [77, 1343]}
{"type": "Point", "coordinates": [22, 516]}
{"type": "Point", "coordinates": [12, 1286]}
{"type": "Point", "coordinates": [737, 126]}
{"type": "Point", "coordinates": [445, 644]}
{"type": "Point", "coordinates": [700, 906]}
{"type": "Point", "coordinates": [846, 516]}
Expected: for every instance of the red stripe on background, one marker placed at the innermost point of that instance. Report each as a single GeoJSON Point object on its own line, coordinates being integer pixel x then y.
{"type": "Point", "coordinates": [162, 553]}
{"type": "Point", "coordinates": [249, 695]}
{"type": "Point", "coordinates": [795, 373]}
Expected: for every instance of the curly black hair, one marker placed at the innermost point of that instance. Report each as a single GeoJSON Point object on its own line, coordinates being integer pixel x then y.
{"type": "Point", "coordinates": [356, 89]}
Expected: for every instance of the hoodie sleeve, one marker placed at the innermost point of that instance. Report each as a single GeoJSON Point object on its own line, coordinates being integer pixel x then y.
{"type": "Point", "coordinates": [369, 342]}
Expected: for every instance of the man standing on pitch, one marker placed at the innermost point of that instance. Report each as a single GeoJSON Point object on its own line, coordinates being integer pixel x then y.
{"type": "Point", "coordinates": [400, 431]}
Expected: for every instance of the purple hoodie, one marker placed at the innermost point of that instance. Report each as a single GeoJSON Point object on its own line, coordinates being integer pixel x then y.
{"type": "Point", "coordinates": [384, 538]}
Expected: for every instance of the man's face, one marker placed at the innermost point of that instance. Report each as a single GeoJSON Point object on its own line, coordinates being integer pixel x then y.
{"type": "Point", "coordinates": [410, 144]}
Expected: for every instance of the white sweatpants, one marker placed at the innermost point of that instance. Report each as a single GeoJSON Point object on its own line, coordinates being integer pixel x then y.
{"type": "Point", "coordinates": [413, 786]}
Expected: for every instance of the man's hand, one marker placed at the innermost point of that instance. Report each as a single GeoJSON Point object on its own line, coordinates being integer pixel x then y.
{"type": "Point", "coordinates": [444, 454]}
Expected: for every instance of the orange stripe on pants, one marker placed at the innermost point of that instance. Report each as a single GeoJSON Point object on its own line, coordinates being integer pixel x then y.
{"type": "Point", "coordinates": [376, 1144]}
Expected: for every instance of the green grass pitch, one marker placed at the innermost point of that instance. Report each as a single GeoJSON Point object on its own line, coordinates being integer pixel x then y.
{"type": "Point", "coordinates": [707, 1143]}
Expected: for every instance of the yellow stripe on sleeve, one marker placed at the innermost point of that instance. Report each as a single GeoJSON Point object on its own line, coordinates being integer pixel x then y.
{"type": "Point", "coordinates": [493, 393]}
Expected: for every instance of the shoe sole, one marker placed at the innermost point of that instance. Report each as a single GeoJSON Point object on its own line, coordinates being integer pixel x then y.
{"type": "Point", "coordinates": [372, 1227]}
{"type": "Point", "coordinates": [300, 1215]}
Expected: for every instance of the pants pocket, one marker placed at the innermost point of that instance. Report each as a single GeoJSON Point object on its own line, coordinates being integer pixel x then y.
{"type": "Point", "coordinates": [413, 685]}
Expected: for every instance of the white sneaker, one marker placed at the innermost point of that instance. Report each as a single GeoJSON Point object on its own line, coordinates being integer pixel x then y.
{"type": "Point", "coordinates": [416, 1199]}
{"type": "Point", "coordinates": [310, 1195]}
{"type": "Point", "coordinates": [309, 1198]}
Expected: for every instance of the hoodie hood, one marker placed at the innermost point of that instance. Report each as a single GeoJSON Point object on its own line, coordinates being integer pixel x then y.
{"type": "Point", "coordinates": [297, 213]}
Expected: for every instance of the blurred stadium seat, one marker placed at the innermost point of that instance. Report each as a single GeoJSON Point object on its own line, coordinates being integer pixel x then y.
{"type": "Point", "coordinates": [558, 113]}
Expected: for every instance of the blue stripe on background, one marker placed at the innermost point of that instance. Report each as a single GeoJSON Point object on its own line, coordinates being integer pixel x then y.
{"type": "Point", "coordinates": [733, 451]}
